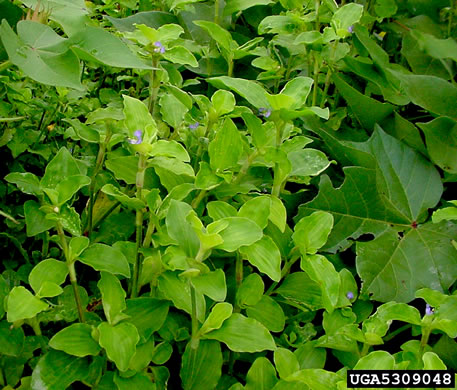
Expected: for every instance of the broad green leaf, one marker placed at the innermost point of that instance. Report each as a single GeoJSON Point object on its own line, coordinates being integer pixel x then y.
{"type": "Point", "coordinates": [294, 94]}
{"type": "Point", "coordinates": [57, 371]}
{"type": "Point", "coordinates": [219, 313]}
{"type": "Point", "coordinates": [368, 111]}
{"type": "Point", "coordinates": [41, 54]}
{"type": "Point", "coordinates": [120, 342]}
{"type": "Point", "coordinates": [433, 362]}
{"type": "Point", "coordinates": [62, 166]}
{"type": "Point", "coordinates": [236, 232]}
{"type": "Point", "coordinates": [315, 378]}
{"type": "Point", "coordinates": [311, 232]}
{"type": "Point", "coordinates": [278, 213]}
{"type": "Point", "coordinates": [75, 340]}
{"type": "Point", "coordinates": [102, 257]}
{"type": "Point", "coordinates": [21, 304]}
{"type": "Point", "coordinates": [27, 182]}
{"type": "Point", "coordinates": [286, 362]}
{"type": "Point", "coordinates": [309, 356]}
{"type": "Point", "coordinates": [256, 209]}
{"type": "Point", "coordinates": [147, 314]}
{"type": "Point", "coordinates": [169, 149]}
{"type": "Point", "coordinates": [391, 311]}
{"type": "Point", "coordinates": [212, 285]}
{"type": "Point", "coordinates": [180, 55]}
{"type": "Point", "coordinates": [113, 297]}
{"type": "Point", "coordinates": [261, 375]}
{"type": "Point", "coordinates": [76, 246]}
{"type": "Point", "coordinates": [125, 200]}
{"type": "Point", "coordinates": [430, 92]}
{"type": "Point", "coordinates": [298, 287]}
{"type": "Point", "coordinates": [178, 291]}
{"type": "Point", "coordinates": [206, 179]}
{"type": "Point", "coordinates": [233, 6]}
{"type": "Point", "coordinates": [243, 334]}
{"type": "Point", "coordinates": [321, 271]}
{"type": "Point", "coordinates": [153, 19]}
{"type": "Point", "coordinates": [250, 291]}
{"type": "Point", "coordinates": [345, 17]}
{"type": "Point", "coordinates": [226, 148]}
{"type": "Point", "coordinates": [307, 162]}
{"type": "Point", "coordinates": [281, 24]}
{"type": "Point", "coordinates": [97, 45]}
{"type": "Point", "coordinates": [388, 265]}
{"type": "Point", "coordinates": [269, 313]}
{"type": "Point", "coordinates": [124, 168]}
{"type": "Point", "coordinates": [70, 186]}
{"type": "Point", "coordinates": [137, 381]}
{"type": "Point", "coordinates": [265, 256]}
{"type": "Point", "coordinates": [252, 91]}
{"type": "Point", "coordinates": [385, 8]}
{"type": "Point", "coordinates": [69, 218]}
{"type": "Point", "coordinates": [219, 34]}
{"type": "Point", "coordinates": [434, 47]}
{"type": "Point", "coordinates": [180, 229]}
{"type": "Point", "coordinates": [11, 339]}
{"type": "Point", "coordinates": [49, 290]}
{"type": "Point", "coordinates": [218, 210]}
{"type": "Point", "coordinates": [444, 214]}
{"type": "Point", "coordinates": [137, 117]}
{"type": "Point", "coordinates": [441, 140]}
{"type": "Point", "coordinates": [376, 360]}
{"type": "Point", "coordinates": [223, 102]}
{"type": "Point", "coordinates": [172, 110]}
{"type": "Point", "coordinates": [49, 270]}
{"type": "Point", "coordinates": [83, 131]}
{"type": "Point", "coordinates": [201, 367]}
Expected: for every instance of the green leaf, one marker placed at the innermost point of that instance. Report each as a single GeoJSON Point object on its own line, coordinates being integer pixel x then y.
{"type": "Point", "coordinates": [125, 200]}
{"type": "Point", "coordinates": [385, 8]}
{"type": "Point", "coordinates": [41, 54]}
{"type": "Point", "coordinates": [21, 304]}
{"type": "Point", "coordinates": [391, 311]}
{"type": "Point", "coordinates": [226, 148]}
{"type": "Point", "coordinates": [49, 270]}
{"type": "Point", "coordinates": [61, 167]}
{"type": "Point", "coordinates": [433, 362]}
{"type": "Point", "coordinates": [430, 92]}
{"type": "Point", "coordinates": [147, 314]}
{"type": "Point", "coordinates": [434, 47]}
{"type": "Point", "coordinates": [169, 149]}
{"type": "Point", "coordinates": [311, 232]}
{"type": "Point", "coordinates": [269, 313]}
{"type": "Point", "coordinates": [137, 381]}
{"type": "Point", "coordinates": [113, 297]}
{"type": "Point", "coordinates": [296, 90]}
{"type": "Point", "coordinates": [321, 271]}
{"type": "Point", "coordinates": [75, 340]}
{"type": "Point", "coordinates": [236, 232]}
{"type": "Point", "coordinates": [316, 379]}
{"type": "Point", "coordinates": [212, 285]}
{"type": "Point", "coordinates": [218, 210]}
{"type": "Point", "coordinates": [11, 339]}
{"type": "Point", "coordinates": [388, 265]}
{"type": "Point", "coordinates": [250, 291]}
{"type": "Point", "coordinates": [180, 55]}
{"type": "Point", "coordinates": [219, 34]}
{"type": "Point", "coordinates": [70, 186]}
{"type": "Point", "coordinates": [97, 45]}
{"type": "Point", "coordinates": [298, 287]}
{"type": "Point", "coordinates": [250, 90]}
{"type": "Point", "coordinates": [257, 209]}
{"type": "Point", "coordinates": [206, 179]}
{"type": "Point", "coordinates": [27, 182]}
{"type": "Point", "coordinates": [376, 360]}
{"type": "Point", "coordinates": [120, 342]}
{"type": "Point", "coordinates": [124, 168]}
{"type": "Point", "coordinates": [77, 246]}
{"type": "Point", "coordinates": [137, 117]}
{"type": "Point", "coordinates": [264, 255]}
{"type": "Point", "coordinates": [69, 219]}
{"type": "Point", "coordinates": [233, 6]}
{"type": "Point", "coordinates": [223, 102]}
{"type": "Point", "coordinates": [444, 214]}
{"type": "Point", "coordinates": [102, 257]}
{"type": "Point", "coordinates": [201, 367]}
{"type": "Point", "coordinates": [178, 291]}
{"type": "Point", "coordinates": [307, 162]}
{"type": "Point", "coordinates": [261, 375]}
{"type": "Point", "coordinates": [309, 356]}
{"type": "Point", "coordinates": [172, 110]}
{"type": "Point", "coordinates": [286, 362]}
{"type": "Point", "coordinates": [345, 17]}
{"type": "Point", "coordinates": [441, 140]}
{"type": "Point", "coordinates": [243, 334]}
{"type": "Point", "coordinates": [219, 313]}
{"type": "Point", "coordinates": [56, 371]}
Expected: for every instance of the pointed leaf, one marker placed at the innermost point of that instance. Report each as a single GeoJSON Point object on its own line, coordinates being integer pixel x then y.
{"type": "Point", "coordinates": [261, 375]}
{"type": "Point", "coordinates": [226, 148]}
{"type": "Point", "coordinates": [113, 297]}
{"type": "Point", "coordinates": [49, 270]}
{"type": "Point", "coordinates": [265, 255]}
{"type": "Point", "coordinates": [75, 340]}
{"type": "Point", "coordinates": [21, 304]}
{"type": "Point", "coordinates": [102, 257]}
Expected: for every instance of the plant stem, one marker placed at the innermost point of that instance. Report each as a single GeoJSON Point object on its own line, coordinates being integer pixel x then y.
{"type": "Point", "coordinates": [154, 85]}
{"type": "Point", "coordinates": [196, 202]}
{"type": "Point", "coordinates": [7, 216]}
{"type": "Point", "coordinates": [245, 167]}
{"type": "Point", "coordinates": [139, 226]}
{"type": "Point", "coordinates": [451, 17]}
{"type": "Point", "coordinates": [194, 338]}
{"type": "Point", "coordinates": [316, 78]}
{"type": "Point", "coordinates": [424, 340]}
{"type": "Point", "coordinates": [5, 65]}
{"type": "Point", "coordinates": [365, 349]}
{"type": "Point", "coordinates": [71, 271]}
{"type": "Point", "coordinates": [45, 246]}
{"type": "Point", "coordinates": [391, 335]}
{"type": "Point", "coordinates": [238, 277]}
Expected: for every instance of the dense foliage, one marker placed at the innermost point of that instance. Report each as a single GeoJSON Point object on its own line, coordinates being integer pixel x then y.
{"type": "Point", "coordinates": [239, 194]}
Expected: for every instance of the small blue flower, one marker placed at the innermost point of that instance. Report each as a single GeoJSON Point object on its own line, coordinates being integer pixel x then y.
{"type": "Point", "coordinates": [265, 112]}
{"type": "Point", "coordinates": [350, 295]}
{"type": "Point", "coordinates": [428, 310]}
{"type": "Point", "coordinates": [159, 48]}
{"type": "Point", "coordinates": [193, 126]}
{"type": "Point", "coordinates": [351, 29]}
{"type": "Point", "coordinates": [138, 134]}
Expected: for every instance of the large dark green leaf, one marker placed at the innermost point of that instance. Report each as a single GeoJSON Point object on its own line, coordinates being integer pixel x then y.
{"type": "Point", "coordinates": [102, 257]}
{"type": "Point", "coordinates": [76, 340]}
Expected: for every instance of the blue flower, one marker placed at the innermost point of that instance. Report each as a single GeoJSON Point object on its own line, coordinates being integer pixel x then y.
{"type": "Point", "coordinates": [428, 310]}
{"type": "Point", "coordinates": [159, 48]}
{"type": "Point", "coordinates": [138, 134]}
{"type": "Point", "coordinates": [193, 126]}
{"type": "Point", "coordinates": [351, 29]}
{"type": "Point", "coordinates": [265, 112]}
{"type": "Point", "coordinates": [350, 295]}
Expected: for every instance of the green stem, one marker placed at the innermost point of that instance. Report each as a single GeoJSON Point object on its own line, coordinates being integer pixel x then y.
{"type": "Point", "coordinates": [216, 11]}
{"type": "Point", "coordinates": [154, 85]}
{"type": "Point", "coordinates": [45, 246]}
{"type": "Point", "coordinates": [230, 68]}
{"type": "Point", "coordinates": [365, 349]}
{"type": "Point", "coordinates": [2, 377]}
{"type": "Point", "coordinates": [391, 335]}
{"type": "Point", "coordinates": [424, 340]}
{"type": "Point", "coordinates": [7, 216]}
{"type": "Point", "coordinates": [245, 167]}
{"type": "Point", "coordinates": [196, 202]}
{"type": "Point", "coordinates": [316, 78]}
{"type": "Point", "coordinates": [106, 214]}
{"type": "Point", "coordinates": [451, 17]}
{"type": "Point", "coordinates": [139, 226]}
{"type": "Point", "coordinates": [71, 271]}
{"type": "Point", "coordinates": [238, 277]}
{"type": "Point", "coordinates": [194, 337]}
{"type": "Point", "coordinates": [5, 65]}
